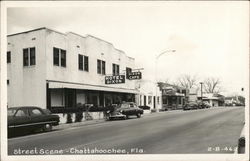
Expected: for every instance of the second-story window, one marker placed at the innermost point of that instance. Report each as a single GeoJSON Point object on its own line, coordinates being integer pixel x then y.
{"type": "Point", "coordinates": [86, 63]}
{"type": "Point", "coordinates": [63, 58]}
{"type": "Point", "coordinates": [29, 56]}
{"type": "Point", "coordinates": [83, 62]}
{"type": "Point", "coordinates": [101, 67]}
{"type": "Point", "coordinates": [128, 71]}
{"type": "Point", "coordinates": [59, 57]}
{"type": "Point", "coordinates": [32, 56]}
{"type": "Point", "coordinates": [8, 57]}
{"type": "Point", "coordinates": [116, 69]}
{"type": "Point", "coordinates": [80, 62]}
{"type": "Point", "coordinates": [56, 56]}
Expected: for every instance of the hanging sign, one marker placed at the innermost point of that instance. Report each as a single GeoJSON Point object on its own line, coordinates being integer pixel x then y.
{"type": "Point", "coordinates": [134, 75]}
{"type": "Point", "coordinates": [117, 79]}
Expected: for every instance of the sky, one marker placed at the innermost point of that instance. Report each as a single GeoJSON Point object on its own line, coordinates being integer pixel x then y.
{"type": "Point", "coordinates": [211, 39]}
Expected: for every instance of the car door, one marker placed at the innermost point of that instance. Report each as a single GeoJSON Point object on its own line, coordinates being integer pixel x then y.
{"type": "Point", "coordinates": [38, 117]}
{"type": "Point", "coordinates": [21, 120]}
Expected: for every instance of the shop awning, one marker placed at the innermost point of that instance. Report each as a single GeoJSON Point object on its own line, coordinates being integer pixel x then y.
{"type": "Point", "coordinates": [56, 84]}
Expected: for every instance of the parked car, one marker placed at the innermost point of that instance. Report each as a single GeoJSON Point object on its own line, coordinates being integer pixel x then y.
{"type": "Point", "coordinates": [190, 106]}
{"type": "Point", "coordinates": [144, 107]}
{"type": "Point", "coordinates": [28, 119]}
{"type": "Point", "coordinates": [125, 110]}
{"type": "Point", "coordinates": [202, 105]}
{"type": "Point", "coordinates": [241, 142]}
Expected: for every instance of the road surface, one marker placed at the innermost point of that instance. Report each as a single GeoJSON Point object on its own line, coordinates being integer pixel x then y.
{"type": "Point", "coordinates": [213, 130]}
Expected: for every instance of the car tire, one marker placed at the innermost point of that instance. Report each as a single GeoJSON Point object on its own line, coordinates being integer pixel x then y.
{"type": "Point", "coordinates": [47, 127]}
{"type": "Point", "coordinates": [138, 115]}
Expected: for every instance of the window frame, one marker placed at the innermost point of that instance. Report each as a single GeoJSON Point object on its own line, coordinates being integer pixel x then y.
{"type": "Point", "coordinates": [80, 62]}
{"type": "Point", "coordinates": [115, 69]}
{"type": "Point", "coordinates": [8, 56]}
{"type": "Point", "coordinates": [86, 63]}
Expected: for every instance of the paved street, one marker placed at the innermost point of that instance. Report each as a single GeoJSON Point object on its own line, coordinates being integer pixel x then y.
{"type": "Point", "coordinates": [214, 130]}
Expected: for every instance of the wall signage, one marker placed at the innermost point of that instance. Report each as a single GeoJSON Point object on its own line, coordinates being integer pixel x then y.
{"type": "Point", "coordinates": [116, 79]}
{"type": "Point", "coordinates": [134, 75]}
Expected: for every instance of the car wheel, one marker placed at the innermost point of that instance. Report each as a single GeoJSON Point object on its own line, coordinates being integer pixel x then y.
{"type": "Point", "coordinates": [138, 115]}
{"type": "Point", "coordinates": [47, 127]}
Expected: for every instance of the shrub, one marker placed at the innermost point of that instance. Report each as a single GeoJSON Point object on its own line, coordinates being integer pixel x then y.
{"type": "Point", "coordinates": [69, 118]}
{"type": "Point", "coordinates": [79, 116]}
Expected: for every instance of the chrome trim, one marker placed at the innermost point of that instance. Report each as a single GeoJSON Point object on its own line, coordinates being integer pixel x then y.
{"type": "Point", "coordinates": [13, 126]}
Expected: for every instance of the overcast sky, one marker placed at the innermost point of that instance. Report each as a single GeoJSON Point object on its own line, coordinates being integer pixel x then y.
{"type": "Point", "coordinates": [210, 38]}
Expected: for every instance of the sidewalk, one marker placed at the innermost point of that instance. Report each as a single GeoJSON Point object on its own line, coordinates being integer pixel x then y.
{"type": "Point", "coordinates": [98, 121]}
{"type": "Point", "coordinates": [78, 124]}
{"type": "Point", "coordinates": [84, 123]}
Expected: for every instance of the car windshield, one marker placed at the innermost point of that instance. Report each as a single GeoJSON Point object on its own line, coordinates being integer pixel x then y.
{"type": "Point", "coordinates": [11, 112]}
{"type": "Point", "coordinates": [125, 105]}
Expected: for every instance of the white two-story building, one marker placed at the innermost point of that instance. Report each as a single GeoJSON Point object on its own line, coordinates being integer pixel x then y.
{"type": "Point", "coordinates": [58, 71]}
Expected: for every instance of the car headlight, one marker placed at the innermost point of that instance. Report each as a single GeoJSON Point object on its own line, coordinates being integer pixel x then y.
{"type": "Point", "coordinates": [121, 111]}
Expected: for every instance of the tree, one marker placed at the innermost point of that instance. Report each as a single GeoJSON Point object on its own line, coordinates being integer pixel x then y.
{"type": "Point", "coordinates": [212, 85]}
{"type": "Point", "coordinates": [187, 81]}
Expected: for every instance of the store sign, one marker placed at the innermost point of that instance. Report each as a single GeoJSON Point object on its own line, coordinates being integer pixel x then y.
{"type": "Point", "coordinates": [168, 92]}
{"type": "Point", "coordinates": [134, 75]}
{"type": "Point", "coordinates": [117, 79]}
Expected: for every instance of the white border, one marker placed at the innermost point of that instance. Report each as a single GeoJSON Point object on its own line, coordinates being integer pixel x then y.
{"type": "Point", "coordinates": [4, 149]}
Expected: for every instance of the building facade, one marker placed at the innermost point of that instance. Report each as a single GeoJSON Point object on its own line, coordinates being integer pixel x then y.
{"type": "Point", "coordinates": [60, 71]}
{"type": "Point", "coordinates": [149, 94]}
{"type": "Point", "coordinates": [173, 97]}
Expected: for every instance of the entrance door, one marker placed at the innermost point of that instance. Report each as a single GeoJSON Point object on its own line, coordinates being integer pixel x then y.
{"type": "Point", "coordinates": [70, 98]}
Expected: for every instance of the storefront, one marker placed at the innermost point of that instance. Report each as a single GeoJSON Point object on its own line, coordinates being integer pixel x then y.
{"type": "Point", "coordinates": [65, 97]}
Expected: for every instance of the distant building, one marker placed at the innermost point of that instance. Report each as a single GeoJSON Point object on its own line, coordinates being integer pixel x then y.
{"type": "Point", "coordinates": [173, 97]}
{"type": "Point", "coordinates": [149, 94]}
{"type": "Point", "coordinates": [214, 100]}
{"type": "Point", "coordinates": [59, 71]}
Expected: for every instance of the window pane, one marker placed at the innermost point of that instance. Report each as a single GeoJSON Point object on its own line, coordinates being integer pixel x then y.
{"type": "Point", "coordinates": [63, 58]}
{"type": "Point", "coordinates": [32, 56]}
{"type": "Point", "coordinates": [35, 112]}
{"type": "Point", "coordinates": [86, 63]}
{"type": "Point", "coordinates": [114, 69]}
{"type": "Point", "coordinates": [128, 70]}
{"type": "Point", "coordinates": [99, 66]}
{"type": "Point", "coordinates": [25, 57]}
{"type": "Point", "coordinates": [103, 68]}
{"type": "Point", "coordinates": [21, 113]}
{"type": "Point", "coordinates": [56, 56]}
{"type": "Point", "coordinates": [117, 69]}
{"type": "Point", "coordinates": [8, 57]}
{"type": "Point", "coordinates": [80, 62]}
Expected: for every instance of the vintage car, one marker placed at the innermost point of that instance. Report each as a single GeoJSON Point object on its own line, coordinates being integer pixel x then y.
{"type": "Point", "coordinates": [202, 105]}
{"type": "Point", "coordinates": [28, 119]}
{"type": "Point", "coordinates": [190, 106]}
{"type": "Point", "coordinates": [125, 110]}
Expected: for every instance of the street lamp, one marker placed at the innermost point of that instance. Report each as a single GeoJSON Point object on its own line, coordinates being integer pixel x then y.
{"type": "Point", "coordinates": [156, 59]}
{"type": "Point", "coordinates": [201, 92]}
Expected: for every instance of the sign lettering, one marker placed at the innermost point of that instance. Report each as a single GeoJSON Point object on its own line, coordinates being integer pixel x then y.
{"type": "Point", "coordinates": [117, 79]}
